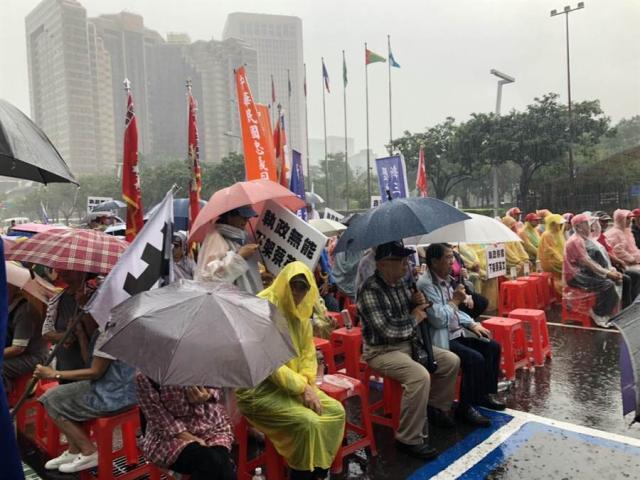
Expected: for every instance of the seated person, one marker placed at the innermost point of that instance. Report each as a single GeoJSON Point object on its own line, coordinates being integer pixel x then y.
{"type": "Point", "coordinates": [389, 312]}
{"type": "Point", "coordinates": [530, 236]}
{"type": "Point", "coordinates": [517, 256]}
{"type": "Point", "coordinates": [587, 267]}
{"type": "Point", "coordinates": [620, 238]}
{"type": "Point", "coordinates": [61, 309]}
{"type": "Point", "coordinates": [450, 329]}
{"type": "Point", "coordinates": [25, 347]}
{"type": "Point", "coordinates": [475, 304]}
{"type": "Point", "coordinates": [183, 265]}
{"type": "Point", "coordinates": [345, 268]}
{"type": "Point", "coordinates": [304, 424]}
{"type": "Point", "coordinates": [551, 249]}
{"type": "Point", "coordinates": [187, 429]}
{"type": "Point", "coordinates": [105, 388]}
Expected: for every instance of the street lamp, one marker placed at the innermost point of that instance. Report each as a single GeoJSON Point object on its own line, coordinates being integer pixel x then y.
{"type": "Point", "coordinates": [504, 79]}
{"type": "Point", "coordinates": [566, 11]}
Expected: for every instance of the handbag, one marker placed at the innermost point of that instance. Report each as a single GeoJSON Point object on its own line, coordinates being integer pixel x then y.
{"type": "Point", "coordinates": [422, 350]}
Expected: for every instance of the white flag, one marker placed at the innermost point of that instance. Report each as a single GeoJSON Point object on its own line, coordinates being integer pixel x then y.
{"type": "Point", "coordinates": [143, 265]}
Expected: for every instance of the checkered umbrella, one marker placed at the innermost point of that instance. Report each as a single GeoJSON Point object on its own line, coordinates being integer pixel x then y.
{"type": "Point", "coordinates": [71, 249]}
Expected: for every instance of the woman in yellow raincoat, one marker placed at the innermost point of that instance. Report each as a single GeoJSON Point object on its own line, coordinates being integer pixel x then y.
{"type": "Point", "coordinates": [305, 425]}
{"type": "Point", "coordinates": [551, 249]}
{"type": "Point", "coordinates": [516, 254]}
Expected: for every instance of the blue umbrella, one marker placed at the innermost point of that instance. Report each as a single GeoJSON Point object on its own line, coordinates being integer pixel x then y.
{"type": "Point", "coordinates": [398, 219]}
{"type": "Point", "coordinates": [628, 322]}
{"type": "Point", "coordinates": [180, 213]}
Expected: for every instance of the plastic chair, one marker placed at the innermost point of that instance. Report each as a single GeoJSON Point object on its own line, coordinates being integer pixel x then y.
{"type": "Point", "coordinates": [577, 305]}
{"type": "Point", "coordinates": [510, 334]}
{"type": "Point", "coordinates": [538, 341]}
{"type": "Point", "coordinates": [327, 351]}
{"type": "Point", "coordinates": [102, 431]}
{"type": "Point", "coordinates": [513, 294]}
{"type": "Point", "coordinates": [364, 431]}
{"type": "Point", "coordinates": [550, 291]}
{"type": "Point", "coordinates": [391, 401]}
{"type": "Point", "coordinates": [348, 342]}
{"type": "Point", "coordinates": [269, 458]}
{"type": "Point", "coordinates": [536, 287]}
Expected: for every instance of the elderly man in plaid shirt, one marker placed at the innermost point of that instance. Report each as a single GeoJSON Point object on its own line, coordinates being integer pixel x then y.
{"type": "Point", "coordinates": [389, 313]}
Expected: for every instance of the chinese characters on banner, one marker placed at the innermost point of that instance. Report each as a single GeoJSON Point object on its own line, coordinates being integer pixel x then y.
{"type": "Point", "coordinates": [496, 261]}
{"type": "Point", "coordinates": [392, 176]}
{"type": "Point", "coordinates": [258, 146]}
{"type": "Point", "coordinates": [284, 238]}
{"type": "Point", "coordinates": [332, 215]}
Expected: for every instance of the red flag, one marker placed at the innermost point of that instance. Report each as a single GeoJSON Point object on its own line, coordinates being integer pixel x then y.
{"type": "Point", "coordinates": [280, 142]}
{"type": "Point", "coordinates": [195, 184]}
{"type": "Point", "coordinates": [130, 179]}
{"type": "Point", "coordinates": [422, 184]}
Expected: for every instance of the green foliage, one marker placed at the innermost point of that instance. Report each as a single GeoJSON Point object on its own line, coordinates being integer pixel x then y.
{"type": "Point", "coordinates": [338, 174]}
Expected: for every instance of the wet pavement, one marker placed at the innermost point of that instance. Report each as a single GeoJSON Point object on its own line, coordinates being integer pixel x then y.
{"type": "Point", "coordinates": [580, 385]}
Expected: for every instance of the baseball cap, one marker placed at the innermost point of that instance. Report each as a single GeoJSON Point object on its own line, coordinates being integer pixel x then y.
{"type": "Point", "coordinates": [580, 218]}
{"type": "Point", "coordinates": [635, 212]}
{"type": "Point", "coordinates": [602, 215]}
{"type": "Point", "coordinates": [246, 211]}
{"type": "Point", "coordinates": [392, 250]}
{"type": "Point", "coordinates": [532, 217]}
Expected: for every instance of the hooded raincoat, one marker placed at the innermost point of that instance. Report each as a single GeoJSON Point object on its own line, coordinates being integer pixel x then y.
{"type": "Point", "coordinates": [305, 439]}
{"type": "Point", "coordinates": [530, 240]}
{"type": "Point", "coordinates": [620, 238]}
{"type": "Point", "coordinates": [551, 249]}
{"type": "Point", "coordinates": [516, 254]}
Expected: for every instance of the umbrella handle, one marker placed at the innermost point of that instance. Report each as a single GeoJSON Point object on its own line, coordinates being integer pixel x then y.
{"type": "Point", "coordinates": [75, 320]}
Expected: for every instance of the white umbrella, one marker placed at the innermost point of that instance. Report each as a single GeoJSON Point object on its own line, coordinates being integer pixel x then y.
{"type": "Point", "coordinates": [329, 228]}
{"type": "Point", "coordinates": [478, 229]}
{"type": "Point", "coordinates": [313, 198]}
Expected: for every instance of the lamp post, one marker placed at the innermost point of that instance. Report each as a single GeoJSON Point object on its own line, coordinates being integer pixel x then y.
{"type": "Point", "coordinates": [504, 79]}
{"type": "Point", "coordinates": [566, 11]}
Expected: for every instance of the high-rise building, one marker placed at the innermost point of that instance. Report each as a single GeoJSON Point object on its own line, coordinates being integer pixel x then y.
{"type": "Point", "coordinates": [335, 145]}
{"type": "Point", "coordinates": [61, 82]}
{"type": "Point", "coordinates": [127, 40]}
{"type": "Point", "coordinates": [278, 42]}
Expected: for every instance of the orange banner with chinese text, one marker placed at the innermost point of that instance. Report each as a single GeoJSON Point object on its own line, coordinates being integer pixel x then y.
{"type": "Point", "coordinates": [256, 135]}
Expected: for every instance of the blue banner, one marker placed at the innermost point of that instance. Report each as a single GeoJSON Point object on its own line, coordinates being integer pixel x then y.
{"type": "Point", "coordinates": [392, 177]}
{"type": "Point", "coordinates": [297, 180]}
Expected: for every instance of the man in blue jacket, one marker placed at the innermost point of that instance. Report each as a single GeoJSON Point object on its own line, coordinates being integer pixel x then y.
{"type": "Point", "coordinates": [454, 330]}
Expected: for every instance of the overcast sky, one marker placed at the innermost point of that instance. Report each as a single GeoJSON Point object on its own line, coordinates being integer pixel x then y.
{"type": "Point", "coordinates": [445, 48]}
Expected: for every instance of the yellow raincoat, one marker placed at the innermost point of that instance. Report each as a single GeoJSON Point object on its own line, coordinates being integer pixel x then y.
{"type": "Point", "coordinates": [530, 240]}
{"type": "Point", "coordinates": [305, 439]}
{"type": "Point", "coordinates": [516, 254]}
{"type": "Point", "coordinates": [551, 249]}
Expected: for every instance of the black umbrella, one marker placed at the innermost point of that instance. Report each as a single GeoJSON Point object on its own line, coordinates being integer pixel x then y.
{"type": "Point", "coordinates": [398, 219]}
{"type": "Point", "coordinates": [628, 322]}
{"type": "Point", "coordinates": [26, 152]}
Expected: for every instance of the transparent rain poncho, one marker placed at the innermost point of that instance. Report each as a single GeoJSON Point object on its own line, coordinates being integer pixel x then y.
{"type": "Point", "coordinates": [305, 439]}
{"type": "Point", "coordinates": [586, 269]}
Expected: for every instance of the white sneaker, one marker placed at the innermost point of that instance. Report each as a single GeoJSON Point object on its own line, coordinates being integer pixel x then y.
{"type": "Point", "coordinates": [600, 320]}
{"type": "Point", "coordinates": [81, 462]}
{"type": "Point", "coordinates": [54, 463]}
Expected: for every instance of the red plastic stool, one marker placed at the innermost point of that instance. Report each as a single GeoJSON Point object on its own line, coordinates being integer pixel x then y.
{"type": "Point", "coordinates": [537, 289]}
{"type": "Point", "coordinates": [348, 342]}
{"type": "Point", "coordinates": [46, 434]}
{"type": "Point", "coordinates": [327, 351]}
{"type": "Point", "coordinates": [577, 305]}
{"type": "Point", "coordinates": [19, 386]}
{"type": "Point", "coordinates": [550, 291]}
{"type": "Point", "coordinates": [510, 334]}
{"type": "Point", "coordinates": [102, 429]}
{"type": "Point", "coordinates": [269, 458]}
{"type": "Point", "coordinates": [390, 403]}
{"type": "Point", "coordinates": [513, 294]}
{"type": "Point", "coordinates": [539, 339]}
{"type": "Point", "coordinates": [364, 431]}
{"type": "Point", "coordinates": [353, 313]}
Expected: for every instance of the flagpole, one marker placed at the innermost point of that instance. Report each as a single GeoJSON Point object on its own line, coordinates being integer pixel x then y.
{"type": "Point", "coordinates": [346, 143]}
{"type": "Point", "coordinates": [306, 121]}
{"type": "Point", "coordinates": [390, 115]}
{"type": "Point", "coordinates": [289, 138]}
{"type": "Point", "coordinates": [326, 158]}
{"type": "Point", "coordinates": [366, 90]}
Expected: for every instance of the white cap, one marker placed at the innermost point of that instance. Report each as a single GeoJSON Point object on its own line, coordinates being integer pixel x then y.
{"type": "Point", "coordinates": [258, 471]}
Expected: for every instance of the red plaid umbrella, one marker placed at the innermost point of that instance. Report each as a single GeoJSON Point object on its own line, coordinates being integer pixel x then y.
{"type": "Point", "coordinates": [71, 249]}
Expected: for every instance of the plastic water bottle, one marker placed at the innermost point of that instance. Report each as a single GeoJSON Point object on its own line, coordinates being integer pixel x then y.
{"type": "Point", "coordinates": [538, 266]}
{"type": "Point", "coordinates": [527, 269]}
{"type": "Point", "coordinates": [320, 371]}
{"type": "Point", "coordinates": [346, 319]}
{"type": "Point", "coordinates": [514, 273]}
{"type": "Point", "coordinates": [257, 475]}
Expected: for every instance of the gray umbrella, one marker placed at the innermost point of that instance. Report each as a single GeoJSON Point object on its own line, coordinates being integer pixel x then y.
{"type": "Point", "coordinates": [109, 206]}
{"type": "Point", "coordinates": [26, 152]}
{"type": "Point", "coordinates": [196, 333]}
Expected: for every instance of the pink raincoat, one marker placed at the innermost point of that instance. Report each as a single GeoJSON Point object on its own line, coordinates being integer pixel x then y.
{"type": "Point", "coordinates": [621, 239]}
